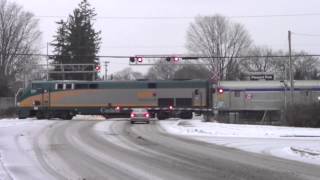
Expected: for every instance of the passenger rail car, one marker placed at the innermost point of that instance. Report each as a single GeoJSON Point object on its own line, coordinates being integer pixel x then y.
{"type": "Point", "coordinates": [259, 97]}
{"type": "Point", "coordinates": [64, 99]}
{"type": "Point", "coordinates": [265, 95]}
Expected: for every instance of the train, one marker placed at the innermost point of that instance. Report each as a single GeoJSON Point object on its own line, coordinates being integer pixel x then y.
{"type": "Point", "coordinates": [163, 98]}
{"type": "Point", "coordinates": [65, 99]}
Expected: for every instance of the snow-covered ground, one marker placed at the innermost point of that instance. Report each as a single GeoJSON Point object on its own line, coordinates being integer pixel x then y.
{"type": "Point", "coordinates": [302, 144]}
{"type": "Point", "coordinates": [17, 156]}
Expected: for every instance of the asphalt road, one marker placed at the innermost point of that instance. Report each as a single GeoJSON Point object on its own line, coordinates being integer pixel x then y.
{"type": "Point", "coordinates": [74, 150]}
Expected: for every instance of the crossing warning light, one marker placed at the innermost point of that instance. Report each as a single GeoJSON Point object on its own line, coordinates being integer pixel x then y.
{"type": "Point", "coordinates": [172, 59]}
{"type": "Point", "coordinates": [139, 59]}
{"type": "Point", "coordinates": [220, 91]}
{"type": "Point", "coordinates": [134, 59]}
{"type": "Point", "coordinates": [98, 68]}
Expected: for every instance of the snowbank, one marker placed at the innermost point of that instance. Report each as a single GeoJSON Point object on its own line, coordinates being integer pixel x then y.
{"type": "Point", "coordinates": [198, 128]}
{"type": "Point", "coordinates": [302, 144]}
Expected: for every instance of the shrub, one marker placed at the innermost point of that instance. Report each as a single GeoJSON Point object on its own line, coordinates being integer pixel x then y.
{"type": "Point", "coordinates": [302, 115]}
{"type": "Point", "coordinates": [10, 112]}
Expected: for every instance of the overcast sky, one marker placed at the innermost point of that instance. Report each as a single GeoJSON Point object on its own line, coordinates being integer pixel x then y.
{"type": "Point", "coordinates": [167, 36]}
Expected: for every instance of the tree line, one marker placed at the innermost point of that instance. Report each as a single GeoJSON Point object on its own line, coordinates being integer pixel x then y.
{"type": "Point", "coordinates": [224, 41]}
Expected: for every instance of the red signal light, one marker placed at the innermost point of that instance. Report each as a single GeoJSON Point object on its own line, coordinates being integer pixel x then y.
{"type": "Point", "coordinates": [175, 59]}
{"type": "Point", "coordinates": [171, 107]}
{"type": "Point", "coordinates": [134, 59]}
{"type": "Point", "coordinates": [220, 91]}
{"type": "Point", "coordinates": [139, 59]}
{"type": "Point", "coordinates": [98, 68]}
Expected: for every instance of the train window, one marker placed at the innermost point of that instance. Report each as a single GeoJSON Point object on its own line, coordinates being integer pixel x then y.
{"type": "Point", "coordinates": [152, 85]}
{"type": "Point", "coordinates": [81, 86]}
{"type": "Point", "coordinates": [59, 86]}
{"type": "Point", "coordinates": [68, 86]}
{"type": "Point", "coordinates": [236, 93]}
{"type": "Point", "coordinates": [93, 86]}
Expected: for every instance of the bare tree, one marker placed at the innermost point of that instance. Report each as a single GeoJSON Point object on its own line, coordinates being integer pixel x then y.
{"type": "Point", "coordinates": [262, 60]}
{"type": "Point", "coordinates": [215, 37]}
{"type": "Point", "coordinates": [19, 35]}
{"type": "Point", "coordinates": [191, 71]}
{"type": "Point", "coordinates": [162, 70]}
{"type": "Point", "coordinates": [127, 74]}
{"type": "Point", "coordinates": [306, 67]}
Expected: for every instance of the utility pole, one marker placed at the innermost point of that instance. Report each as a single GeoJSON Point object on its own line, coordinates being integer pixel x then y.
{"type": "Point", "coordinates": [47, 58]}
{"type": "Point", "coordinates": [290, 69]}
{"type": "Point", "coordinates": [106, 70]}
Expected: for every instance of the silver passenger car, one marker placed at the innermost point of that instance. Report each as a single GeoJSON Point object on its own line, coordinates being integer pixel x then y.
{"type": "Point", "coordinates": [139, 115]}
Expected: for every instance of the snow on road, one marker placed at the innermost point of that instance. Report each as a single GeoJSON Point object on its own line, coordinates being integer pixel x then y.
{"type": "Point", "coordinates": [301, 144]}
{"type": "Point", "coordinates": [17, 157]}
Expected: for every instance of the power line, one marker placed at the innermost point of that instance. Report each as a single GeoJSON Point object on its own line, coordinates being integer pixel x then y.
{"type": "Point", "coordinates": [187, 17]}
{"type": "Point", "coordinates": [185, 57]}
{"type": "Point", "coordinates": [141, 47]}
{"type": "Point", "coordinates": [277, 15]}
{"type": "Point", "coordinates": [305, 34]}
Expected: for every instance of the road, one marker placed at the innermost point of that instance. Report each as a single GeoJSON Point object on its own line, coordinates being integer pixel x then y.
{"type": "Point", "coordinates": [77, 150]}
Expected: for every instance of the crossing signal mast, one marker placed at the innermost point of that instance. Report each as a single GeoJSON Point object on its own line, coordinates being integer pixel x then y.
{"type": "Point", "coordinates": [152, 59]}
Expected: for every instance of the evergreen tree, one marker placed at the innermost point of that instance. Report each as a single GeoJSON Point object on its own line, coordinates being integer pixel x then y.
{"type": "Point", "coordinates": [76, 41]}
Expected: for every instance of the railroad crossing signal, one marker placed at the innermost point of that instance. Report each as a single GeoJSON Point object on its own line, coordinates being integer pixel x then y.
{"type": "Point", "coordinates": [136, 59]}
{"type": "Point", "coordinates": [220, 90]}
{"type": "Point", "coordinates": [154, 59]}
{"type": "Point", "coordinates": [98, 68]}
{"type": "Point", "coordinates": [172, 59]}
